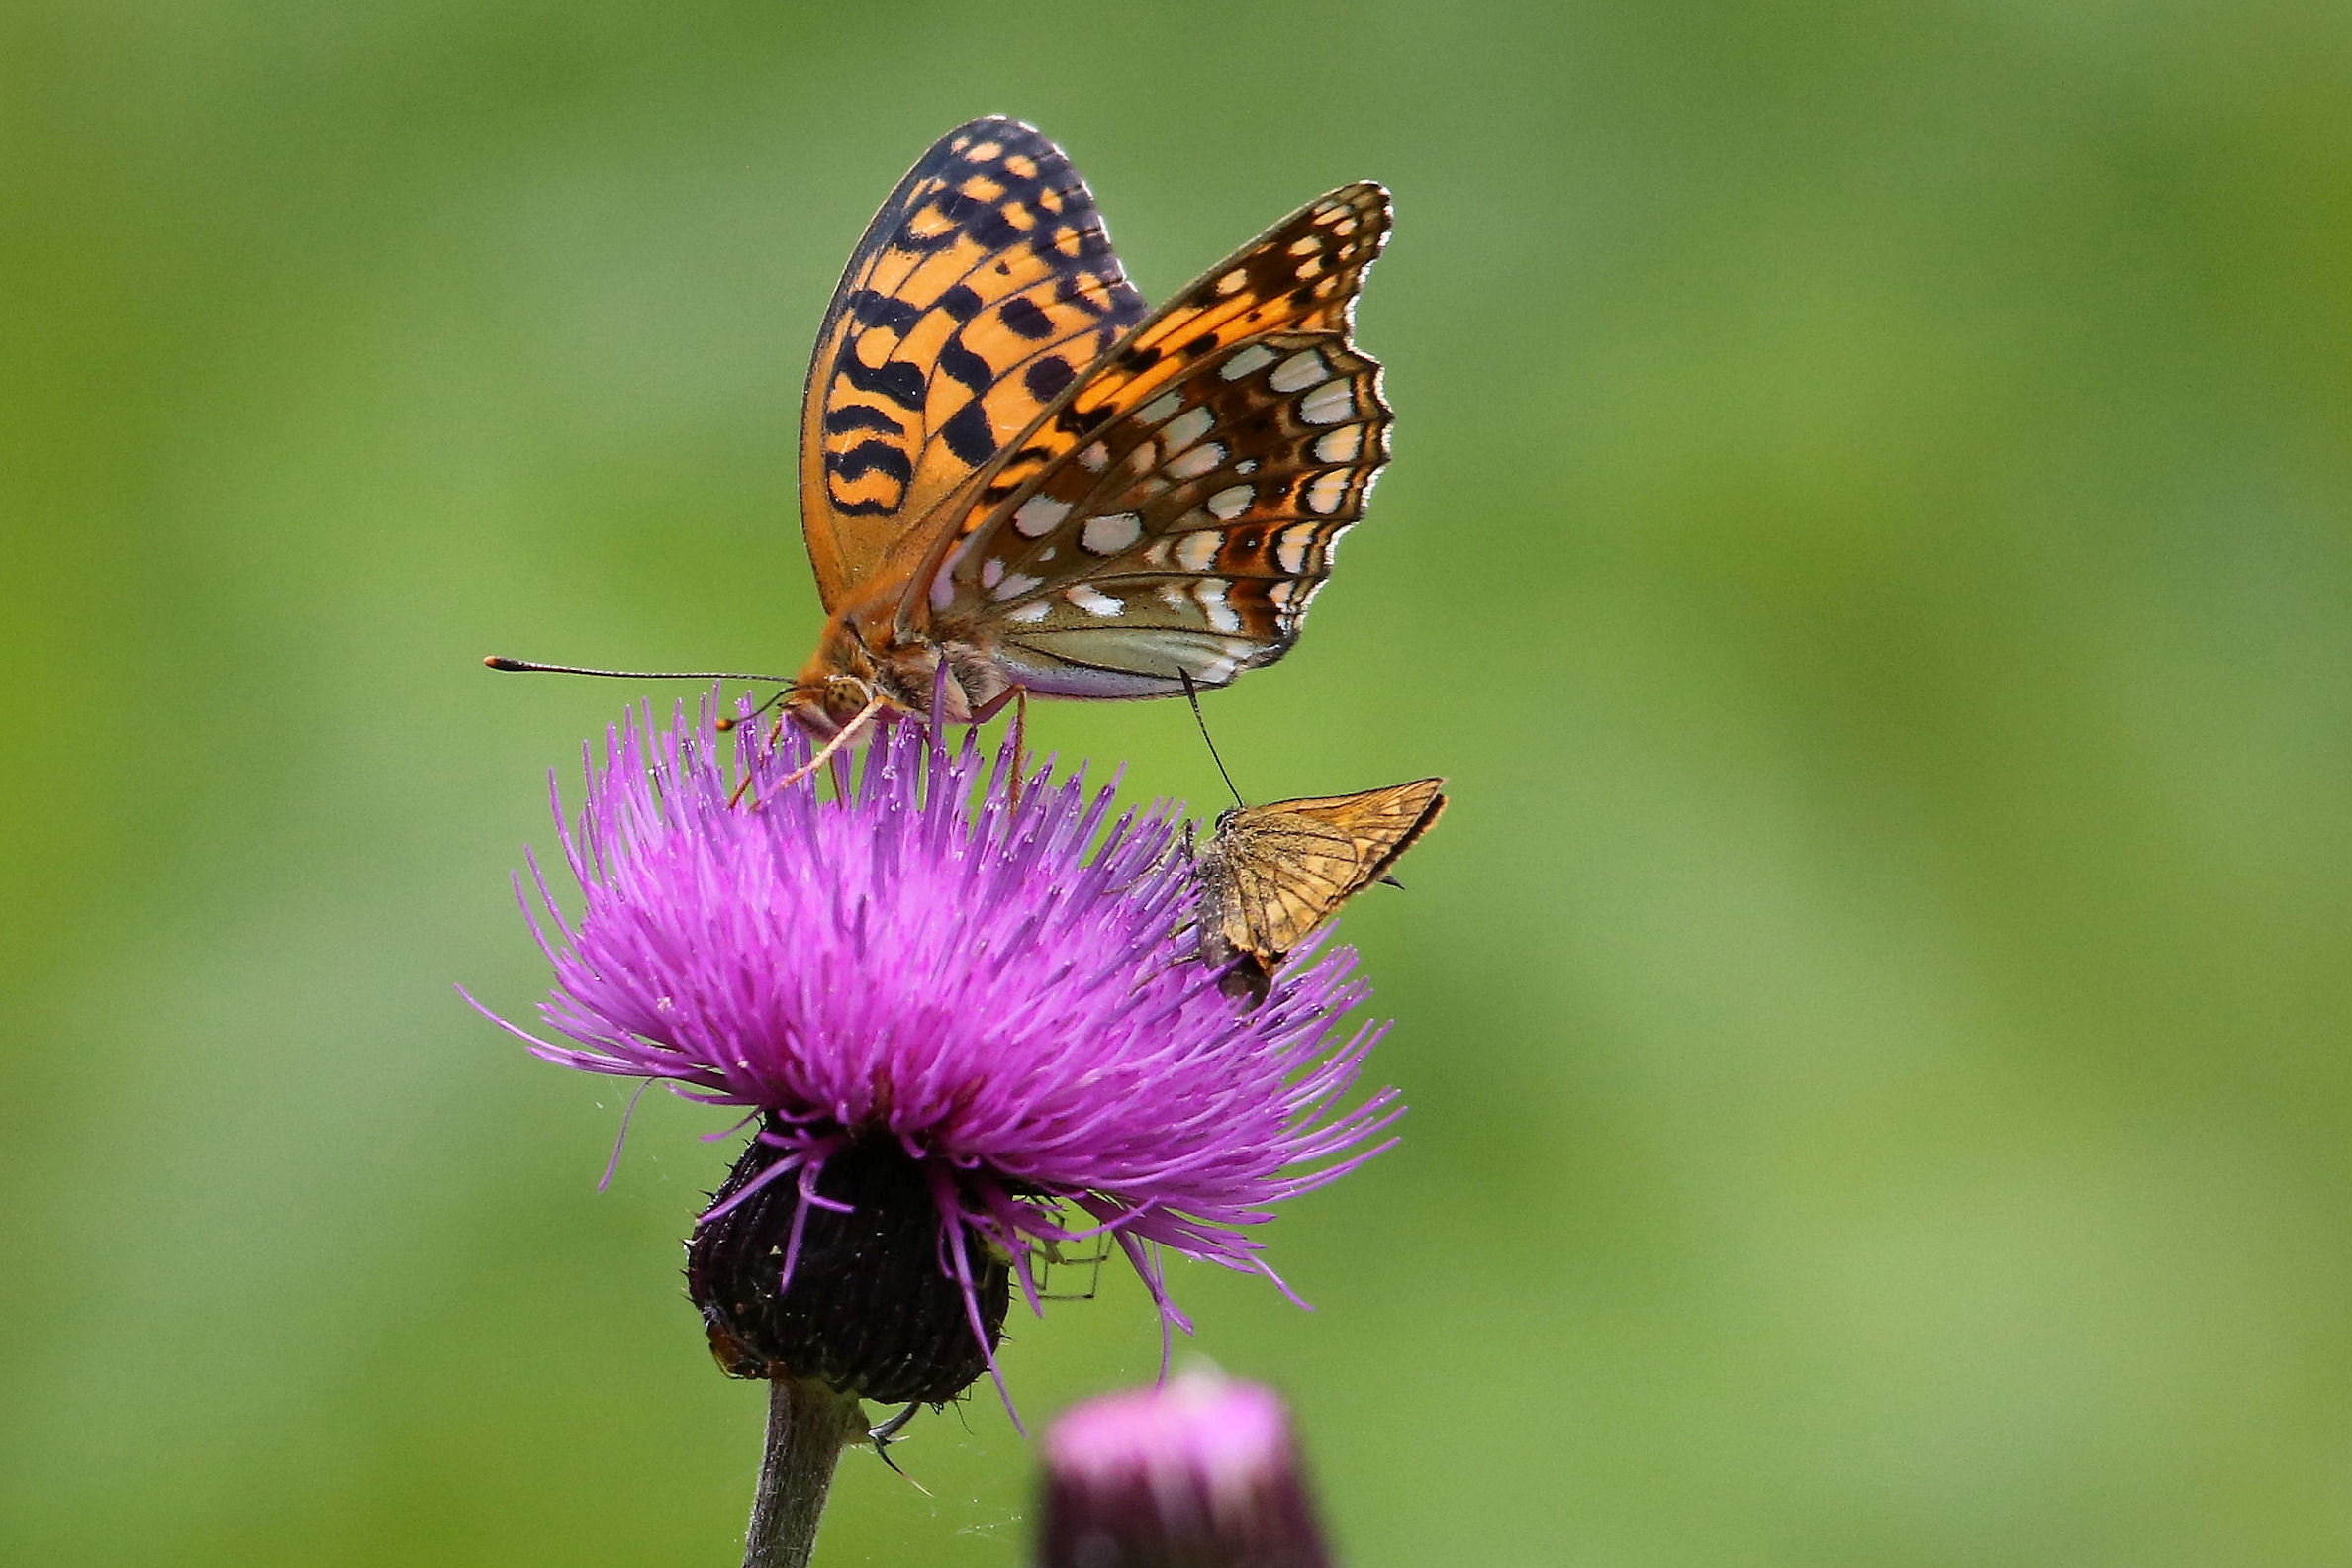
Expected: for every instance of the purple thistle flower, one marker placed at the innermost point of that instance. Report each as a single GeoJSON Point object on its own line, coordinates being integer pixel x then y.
{"type": "Point", "coordinates": [991, 1011]}
{"type": "Point", "coordinates": [1198, 1473]}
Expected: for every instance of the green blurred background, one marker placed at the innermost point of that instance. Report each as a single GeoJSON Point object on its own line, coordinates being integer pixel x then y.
{"type": "Point", "coordinates": [1869, 542]}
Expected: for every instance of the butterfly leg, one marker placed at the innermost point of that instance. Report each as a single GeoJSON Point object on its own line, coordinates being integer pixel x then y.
{"type": "Point", "coordinates": [1019, 696]}
{"type": "Point", "coordinates": [825, 753]}
{"type": "Point", "coordinates": [774, 739]}
{"type": "Point", "coordinates": [1021, 740]}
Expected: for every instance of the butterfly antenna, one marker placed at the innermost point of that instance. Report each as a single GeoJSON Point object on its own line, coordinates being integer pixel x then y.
{"type": "Point", "coordinates": [1192, 695]}
{"type": "Point", "coordinates": [496, 661]}
{"type": "Point", "coordinates": [725, 725]}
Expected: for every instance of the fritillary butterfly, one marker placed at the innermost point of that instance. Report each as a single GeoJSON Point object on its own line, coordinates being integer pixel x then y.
{"type": "Point", "coordinates": [1012, 471]}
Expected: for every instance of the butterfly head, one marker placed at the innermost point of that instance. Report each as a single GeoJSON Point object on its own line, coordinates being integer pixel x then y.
{"type": "Point", "coordinates": [825, 707]}
{"type": "Point", "coordinates": [864, 655]}
{"type": "Point", "coordinates": [840, 679]}
{"type": "Point", "coordinates": [836, 684]}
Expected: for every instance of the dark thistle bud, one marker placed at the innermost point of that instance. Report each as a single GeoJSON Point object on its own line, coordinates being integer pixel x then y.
{"type": "Point", "coordinates": [841, 1284]}
{"type": "Point", "coordinates": [1201, 1473]}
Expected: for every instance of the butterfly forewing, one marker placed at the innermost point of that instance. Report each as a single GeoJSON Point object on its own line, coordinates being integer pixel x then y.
{"type": "Point", "coordinates": [1273, 873]}
{"type": "Point", "coordinates": [1178, 506]}
{"type": "Point", "coordinates": [981, 288]}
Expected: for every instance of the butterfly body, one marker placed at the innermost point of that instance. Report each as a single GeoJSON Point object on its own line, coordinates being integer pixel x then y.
{"type": "Point", "coordinates": [1011, 464]}
{"type": "Point", "coordinates": [858, 660]}
{"type": "Point", "coordinates": [1271, 876]}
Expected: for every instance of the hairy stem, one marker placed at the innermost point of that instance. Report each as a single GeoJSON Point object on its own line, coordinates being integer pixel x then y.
{"type": "Point", "coordinates": [807, 1423]}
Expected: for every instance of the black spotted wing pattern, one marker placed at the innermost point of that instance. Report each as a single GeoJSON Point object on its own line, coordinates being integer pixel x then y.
{"type": "Point", "coordinates": [981, 290]}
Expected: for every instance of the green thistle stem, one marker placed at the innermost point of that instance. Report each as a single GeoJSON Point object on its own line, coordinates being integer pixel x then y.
{"type": "Point", "coordinates": [808, 1426]}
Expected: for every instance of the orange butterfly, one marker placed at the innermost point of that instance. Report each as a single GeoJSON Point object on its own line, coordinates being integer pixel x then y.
{"type": "Point", "coordinates": [1270, 875]}
{"type": "Point", "coordinates": [1003, 474]}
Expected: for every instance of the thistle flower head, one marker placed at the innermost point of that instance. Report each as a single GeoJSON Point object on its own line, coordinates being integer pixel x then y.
{"type": "Point", "coordinates": [940, 985]}
{"type": "Point", "coordinates": [1201, 1473]}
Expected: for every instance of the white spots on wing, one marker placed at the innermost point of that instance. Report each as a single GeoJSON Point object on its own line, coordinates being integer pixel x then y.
{"type": "Point", "coordinates": [1163, 407]}
{"type": "Point", "coordinates": [1200, 460]}
{"type": "Point", "coordinates": [1184, 430]}
{"type": "Point", "coordinates": [943, 581]}
{"type": "Point", "coordinates": [1094, 458]}
{"type": "Point", "coordinates": [1279, 592]}
{"type": "Point", "coordinates": [1328, 404]}
{"type": "Point", "coordinates": [1143, 459]}
{"type": "Point", "coordinates": [1329, 492]}
{"type": "Point", "coordinates": [1248, 465]}
{"type": "Point", "coordinates": [1248, 362]}
{"type": "Point", "coordinates": [1291, 606]}
{"type": "Point", "coordinates": [1093, 600]}
{"type": "Point", "coordinates": [992, 572]}
{"type": "Point", "coordinates": [1030, 613]}
{"type": "Point", "coordinates": [1300, 371]}
{"type": "Point", "coordinates": [1157, 555]}
{"type": "Point", "coordinates": [1039, 516]}
{"type": "Point", "coordinates": [1172, 595]}
{"type": "Point", "coordinates": [1013, 587]}
{"type": "Point", "coordinates": [1233, 282]}
{"type": "Point", "coordinates": [1210, 591]}
{"type": "Point", "coordinates": [1197, 552]}
{"type": "Point", "coordinates": [1111, 532]}
{"type": "Point", "coordinates": [1230, 502]}
{"type": "Point", "coordinates": [1340, 445]}
{"type": "Point", "coordinates": [1296, 541]}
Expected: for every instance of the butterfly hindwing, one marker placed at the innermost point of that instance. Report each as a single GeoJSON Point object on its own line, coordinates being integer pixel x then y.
{"type": "Point", "coordinates": [981, 288]}
{"type": "Point", "coordinates": [1273, 873]}
{"type": "Point", "coordinates": [1177, 508]}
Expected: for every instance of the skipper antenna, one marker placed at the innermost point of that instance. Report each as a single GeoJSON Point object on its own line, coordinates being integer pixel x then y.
{"type": "Point", "coordinates": [1193, 696]}
{"type": "Point", "coordinates": [525, 666]}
